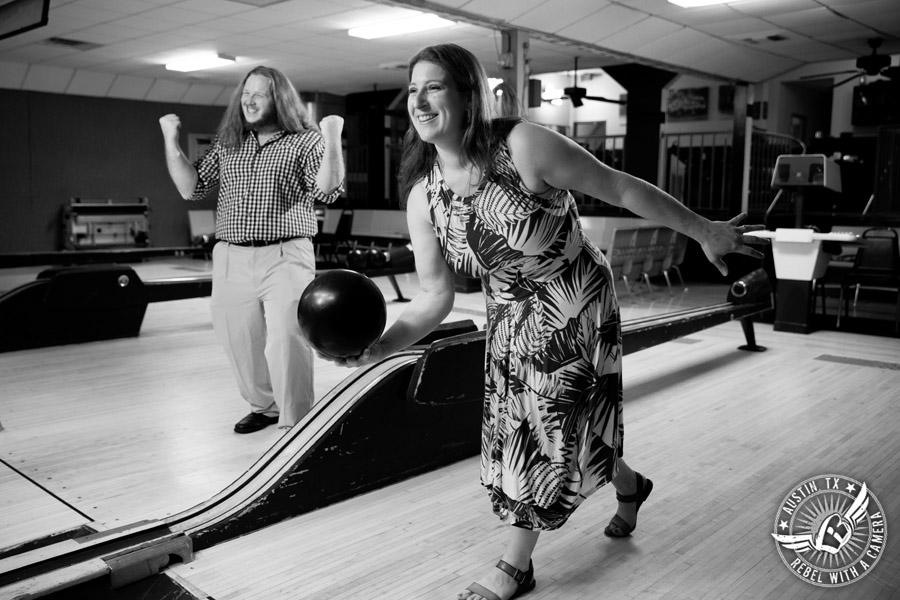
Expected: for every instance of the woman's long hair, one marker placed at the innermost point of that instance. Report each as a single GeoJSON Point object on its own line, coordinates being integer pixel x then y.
{"type": "Point", "coordinates": [290, 111]}
{"type": "Point", "coordinates": [469, 78]}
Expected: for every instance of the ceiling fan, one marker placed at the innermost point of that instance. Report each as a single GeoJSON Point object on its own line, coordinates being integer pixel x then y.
{"type": "Point", "coordinates": [579, 94]}
{"type": "Point", "coordinates": [867, 65]}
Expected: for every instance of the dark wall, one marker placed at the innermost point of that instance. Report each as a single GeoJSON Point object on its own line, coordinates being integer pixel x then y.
{"type": "Point", "coordinates": [56, 147]}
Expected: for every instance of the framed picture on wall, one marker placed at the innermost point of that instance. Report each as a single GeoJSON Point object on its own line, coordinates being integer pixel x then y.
{"type": "Point", "coordinates": [198, 144]}
{"type": "Point", "coordinates": [688, 103]}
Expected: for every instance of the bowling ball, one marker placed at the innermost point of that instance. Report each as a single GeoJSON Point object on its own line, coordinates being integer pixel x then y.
{"type": "Point", "coordinates": [342, 313]}
{"type": "Point", "coordinates": [376, 258]}
{"type": "Point", "coordinates": [401, 257]}
{"type": "Point", "coordinates": [356, 259]}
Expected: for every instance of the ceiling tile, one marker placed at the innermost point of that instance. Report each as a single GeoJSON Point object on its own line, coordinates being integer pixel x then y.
{"type": "Point", "coordinates": [43, 78]}
{"type": "Point", "coordinates": [770, 8]}
{"type": "Point", "coordinates": [128, 7]}
{"type": "Point", "coordinates": [177, 16]}
{"type": "Point", "coordinates": [703, 17]}
{"type": "Point", "coordinates": [126, 86]}
{"type": "Point", "coordinates": [603, 23]}
{"type": "Point", "coordinates": [202, 93]}
{"type": "Point", "coordinates": [224, 98]}
{"type": "Point", "coordinates": [12, 75]}
{"type": "Point", "coordinates": [107, 33]}
{"type": "Point", "coordinates": [662, 48]}
{"type": "Point", "coordinates": [547, 16]}
{"type": "Point", "coordinates": [639, 34]}
{"type": "Point", "coordinates": [738, 28]}
{"type": "Point", "coordinates": [503, 10]}
{"type": "Point", "coordinates": [213, 7]}
{"type": "Point", "coordinates": [90, 83]}
{"type": "Point", "coordinates": [166, 90]}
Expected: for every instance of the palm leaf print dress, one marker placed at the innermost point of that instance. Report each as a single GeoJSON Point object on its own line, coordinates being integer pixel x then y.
{"type": "Point", "coordinates": [552, 424]}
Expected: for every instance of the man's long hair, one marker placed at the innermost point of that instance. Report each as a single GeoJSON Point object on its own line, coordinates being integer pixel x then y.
{"type": "Point", "coordinates": [469, 78]}
{"type": "Point", "coordinates": [290, 111]}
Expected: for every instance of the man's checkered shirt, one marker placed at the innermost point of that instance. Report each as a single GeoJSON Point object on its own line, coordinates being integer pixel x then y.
{"type": "Point", "coordinates": [265, 193]}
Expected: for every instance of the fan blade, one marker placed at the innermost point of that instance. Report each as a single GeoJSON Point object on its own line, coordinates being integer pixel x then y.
{"type": "Point", "coordinates": [891, 72]}
{"type": "Point", "coordinates": [824, 75]}
{"type": "Point", "coordinates": [602, 99]}
{"type": "Point", "coordinates": [840, 83]}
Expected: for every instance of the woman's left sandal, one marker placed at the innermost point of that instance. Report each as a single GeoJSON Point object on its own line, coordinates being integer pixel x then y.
{"type": "Point", "coordinates": [524, 579]}
{"type": "Point", "coordinates": [618, 527]}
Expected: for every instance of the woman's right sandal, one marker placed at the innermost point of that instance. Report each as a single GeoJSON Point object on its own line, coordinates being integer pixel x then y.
{"type": "Point", "coordinates": [619, 527]}
{"type": "Point", "coordinates": [524, 579]}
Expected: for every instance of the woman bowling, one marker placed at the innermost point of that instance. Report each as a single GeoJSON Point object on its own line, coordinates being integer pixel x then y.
{"type": "Point", "coordinates": [490, 198]}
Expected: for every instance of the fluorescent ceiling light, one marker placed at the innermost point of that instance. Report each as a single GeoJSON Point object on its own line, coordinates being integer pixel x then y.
{"type": "Point", "coordinates": [696, 3]}
{"type": "Point", "coordinates": [419, 22]}
{"type": "Point", "coordinates": [200, 61]}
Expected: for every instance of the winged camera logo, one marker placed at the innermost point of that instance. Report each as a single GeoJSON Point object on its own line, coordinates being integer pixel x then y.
{"type": "Point", "coordinates": [830, 530]}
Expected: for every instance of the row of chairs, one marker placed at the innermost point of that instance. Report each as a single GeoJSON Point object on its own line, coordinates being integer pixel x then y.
{"type": "Point", "coordinates": [639, 253]}
{"type": "Point", "coordinates": [875, 265]}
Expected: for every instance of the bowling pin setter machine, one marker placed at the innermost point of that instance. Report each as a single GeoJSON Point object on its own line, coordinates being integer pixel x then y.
{"type": "Point", "coordinates": [798, 252]}
{"type": "Point", "coordinates": [414, 412]}
{"type": "Point", "coordinates": [796, 172]}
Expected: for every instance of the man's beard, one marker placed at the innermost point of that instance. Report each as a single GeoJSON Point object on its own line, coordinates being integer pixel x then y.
{"type": "Point", "coordinates": [265, 119]}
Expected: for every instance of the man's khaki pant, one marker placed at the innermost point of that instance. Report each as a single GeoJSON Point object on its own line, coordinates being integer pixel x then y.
{"type": "Point", "coordinates": [255, 293]}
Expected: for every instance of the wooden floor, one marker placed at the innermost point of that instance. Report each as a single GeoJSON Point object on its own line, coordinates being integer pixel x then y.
{"type": "Point", "coordinates": [110, 433]}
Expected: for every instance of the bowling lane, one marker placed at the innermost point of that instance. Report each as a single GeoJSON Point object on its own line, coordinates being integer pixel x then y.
{"type": "Point", "coordinates": [722, 443]}
{"type": "Point", "coordinates": [149, 269]}
{"type": "Point", "coordinates": [29, 510]}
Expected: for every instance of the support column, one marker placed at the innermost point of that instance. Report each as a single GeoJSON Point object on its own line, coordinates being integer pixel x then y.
{"type": "Point", "coordinates": [514, 57]}
{"type": "Point", "coordinates": [644, 86]}
{"type": "Point", "coordinates": [738, 194]}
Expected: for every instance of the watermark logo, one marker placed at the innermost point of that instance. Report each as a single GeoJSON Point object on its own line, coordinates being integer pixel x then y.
{"type": "Point", "coordinates": [830, 530]}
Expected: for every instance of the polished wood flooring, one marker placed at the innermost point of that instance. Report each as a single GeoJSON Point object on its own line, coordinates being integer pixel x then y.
{"type": "Point", "coordinates": [109, 433]}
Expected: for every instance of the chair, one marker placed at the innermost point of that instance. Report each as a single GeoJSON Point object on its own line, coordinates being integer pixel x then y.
{"type": "Point", "coordinates": [660, 259]}
{"type": "Point", "coordinates": [877, 265]}
{"type": "Point", "coordinates": [643, 254]}
{"type": "Point", "coordinates": [674, 257]}
{"type": "Point", "coordinates": [621, 254]}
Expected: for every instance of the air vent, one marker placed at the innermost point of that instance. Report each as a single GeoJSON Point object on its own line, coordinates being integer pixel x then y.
{"type": "Point", "coordinates": [763, 38]}
{"type": "Point", "coordinates": [74, 44]}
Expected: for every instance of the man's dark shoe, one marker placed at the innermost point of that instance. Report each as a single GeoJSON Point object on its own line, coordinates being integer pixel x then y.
{"type": "Point", "coordinates": [254, 422]}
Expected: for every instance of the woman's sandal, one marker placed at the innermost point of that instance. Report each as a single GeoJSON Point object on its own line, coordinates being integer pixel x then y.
{"type": "Point", "coordinates": [525, 579]}
{"type": "Point", "coordinates": [619, 527]}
